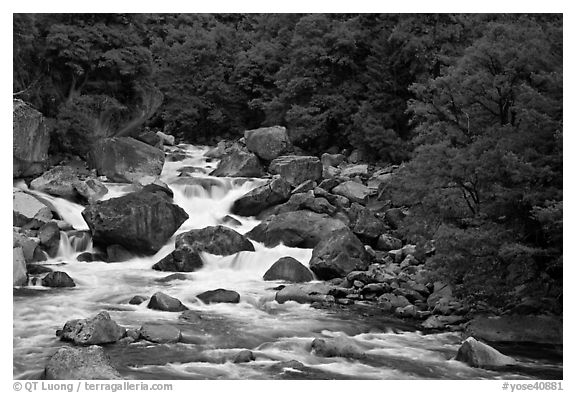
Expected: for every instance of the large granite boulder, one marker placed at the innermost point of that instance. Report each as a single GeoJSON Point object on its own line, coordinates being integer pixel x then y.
{"type": "Point", "coordinates": [58, 280]}
{"type": "Point", "coordinates": [19, 276]}
{"type": "Point", "coordinates": [59, 181]}
{"type": "Point", "coordinates": [30, 247]}
{"type": "Point", "coordinates": [88, 363]}
{"type": "Point", "coordinates": [339, 254]}
{"type": "Point", "coordinates": [301, 228]}
{"type": "Point", "coordinates": [541, 329]}
{"type": "Point", "coordinates": [140, 221]}
{"type": "Point", "coordinates": [260, 198]}
{"type": "Point", "coordinates": [269, 142]}
{"type": "Point", "coordinates": [239, 163]}
{"type": "Point", "coordinates": [30, 140]}
{"type": "Point", "coordinates": [90, 190]}
{"type": "Point", "coordinates": [219, 296]}
{"type": "Point", "coordinates": [182, 259]}
{"type": "Point", "coordinates": [356, 192]}
{"type": "Point", "coordinates": [297, 169]}
{"type": "Point", "coordinates": [218, 240]}
{"type": "Point", "coordinates": [478, 354]}
{"type": "Point", "coordinates": [49, 235]}
{"type": "Point", "coordinates": [288, 269]}
{"type": "Point", "coordinates": [126, 160]}
{"type": "Point", "coordinates": [28, 210]}
{"type": "Point", "coordinates": [100, 329]}
{"type": "Point", "coordinates": [162, 302]}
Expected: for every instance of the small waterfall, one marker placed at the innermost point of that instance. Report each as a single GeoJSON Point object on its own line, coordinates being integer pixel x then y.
{"type": "Point", "coordinates": [73, 243]}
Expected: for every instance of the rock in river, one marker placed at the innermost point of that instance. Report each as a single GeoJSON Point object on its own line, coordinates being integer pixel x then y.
{"type": "Point", "coordinates": [260, 198]}
{"type": "Point", "coordinates": [219, 296]}
{"type": "Point", "coordinates": [80, 364]}
{"type": "Point", "coordinates": [239, 163]}
{"type": "Point", "coordinates": [338, 254]}
{"type": "Point", "coordinates": [478, 354]}
{"type": "Point", "coordinates": [295, 229]}
{"type": "Point", "coordinates": [288, 269]}
{"type": "Point", "coordinates": [100, 329]}
{"type": "Point", "coordinates": [162, 302]}
{"type": "Point", "coordinates": [58, 280]}
{"type": "Point", "coordinates": [140, 221]}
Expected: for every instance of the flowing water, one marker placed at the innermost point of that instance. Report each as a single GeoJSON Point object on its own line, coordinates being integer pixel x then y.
{"type": "Point", "coordinates": [276, 333]}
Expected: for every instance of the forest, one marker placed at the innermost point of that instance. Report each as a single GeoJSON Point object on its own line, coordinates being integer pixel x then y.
{"type": "Point", "coordinates": [468, 105]}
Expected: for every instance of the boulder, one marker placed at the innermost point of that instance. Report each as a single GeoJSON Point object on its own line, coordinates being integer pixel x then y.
{"type": "Point", "coordinates": [355, 192]}
{"type": "Point", "coordinates": [217, 152]}
{"type": "Point", "coordinates": [305, 186]}
{"type": "Point", "coordinates": [160, 188]}
{"type": "Point", "coordinates": [30, 140]}
{"type": "Point", "coordinates": [30, 247]}
{"type": "Point", "coordinates": [49, 235]}
{"type": "Point", "coordinates": [386, 243]}
{"type": "Point", "coordinates": [182, 259]}
{"type": "Point", "coordinates": [239, 163]}
{"type": "Point", "coordinates": [441, 321]}
{"type": "Point", "coordinates": [59, 181]}
{"type": "Point", "coordinates": [394, 217]}
{"type": "Point", "coordinates": [288, 269]}
{"type": "Point", "coordinates": [301, 228]}
{"type": "Point", "coordinates": [217, 240]}
{"type": "Point", "coordinates": [100, 329]}
{"type": "Point", "coordinates": [337, 347]}
{"type": "Point", "coordinates": [269, 142]}
{"type": "Point", "coordinates": [442, 291]}
{"type": "Point", "coordinates": [166, 139]}
{"type": "Point", "coordinates": [230, 221]}
{"type": "Point", "coordinates": [390, 302]}
{"type": "Point", "coordinates": [19, 276]}
{"type": "Point", "coordinates": [354, 170]}
{"type": "Point", "coordinates": [478, 354]}
{"type": "Point", "coordinates": [162, 302]}
{"type": "Point", "coordinates": [297, 169]}
{"type": "Point", "coordinates": [126, 160]}
{"type": "Point", "coordinates": [37, 269]}
{"type": "Point", "coordinates": [88, 363]}
{"type": "Point", "coordinates": [260, 198]}
{"type": "Point", "coordinates": [190, 316]}
{"type": "Point", "coordinates": [328, 159]}
{"type": "Point", "coordinates": [29, 211]}
{"type": "Point", "coordinates": [91, 189]}
{"type": "Point", "coordinates": [160, 333]}
{"type": "Point", "coordinates": [244, 356]}
{"type": "Point", "coordinates": [58, 280]}
{"type": "Point", "coordinates": [140, 221]}
{"type": "Point", "coordinates": [137, 299]}
{"type": "Point", "coordinates": [338, 254]}
{"type": "Point", "coordinates": [173, 277]}
{"type": "Point", "coordinates": [364, 222]}
{"type": "Point", "coordinates": [304, 293]}
{"type": "Point", "coordinates": [303, 201]}
{"type": "Point", "coordinates": [219, 296]}
{"type": "Point", "coordinates": [541, 329]}
{"type": "Point", "coordinates": [150, 138]}
{"type": "Point", "coordinates": [92, 257]}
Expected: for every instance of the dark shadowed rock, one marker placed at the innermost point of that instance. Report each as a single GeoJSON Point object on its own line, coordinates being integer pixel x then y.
{"type": "Point", "coordinates": [389, 301]}
{"type": "Point", "coordinates": [386, 243]}
{"type": "Point", "coordinates": [182, 259]}
{"type": "Point", "coordinates": [338, 254]}
{"type": "Point", "coordinates": [117, 253]}
{"type": "Point", "coordinates": [160, 333]}
{"type": "Point", "coordinates": [394, 217]}
{"type": "Point", "coordinates": [478, 354]}
{"type": "Point", "coordinates": [297, 169]}
{"type": "Point", "coordinates": [37, 269]}
{"type": "Point", "coordinates": [239, 163]}
{"type": "Point", "coordinates": [89, 363]}
{"type": "Point", "coordinates": [337, 347]}
{"type": "Point", "coordinates": [190, 316]}
{"type": "Point", "coordinates": [365, 223]}
{"type": "Point", "coordinates": [332, 159]}
{"type": "Point", "coordinates": [542, 329]}
{"type": "Point", "coordinates": [100, 329]}
{"type": "Point", "coordinates": [355, 192]}
{"type": "Point", "coordinates": [269, 142]}
{"type": "Point", "coordinates": [255, 201]}
{"type": "Point", "coordinates": [231, 221]}
{"type": "Point", "coordinates": [288, 269]}
{"type": "Point", "coordinates": [58, 280]}
{"type": "Point", "coordinates": [295, 229]}
{"type": "Point", "coordinates": [173, 277]}
{"type": "Point", "coordinates": [150, 138]}
{"type": "Point", "coordinates": [28, 210]}
{"type": "Point", "coordinates": [126, 160]}
{"type": "Point", "coordinates": [92, 257]}
{"type": "Point", "coordinates": [30, 140]}
{"type": "Point", "coordinates": [244, 356]}
{"type": "Point", "coordinates": [139, 221]}
{"type": "Point", "coordinates": [219, 296]}
{"type": "Point", "coordinates": [49, 235]}
{"type": "Point", "coordinates": [162, 302]}
{"type": "Point", "coordinates": [160, 188]}
{"type": "Point", "coordinates": [138, 299]}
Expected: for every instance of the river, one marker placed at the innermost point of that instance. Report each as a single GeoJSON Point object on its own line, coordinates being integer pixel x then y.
{"type": "Point", "coordinates": [274, 332]}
